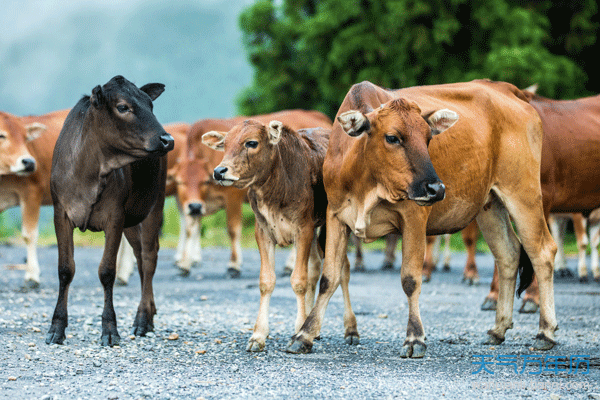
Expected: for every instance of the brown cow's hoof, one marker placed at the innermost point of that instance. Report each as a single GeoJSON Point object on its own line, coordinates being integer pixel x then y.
{"type": "Point", "coordinates": [446, 268]}
{"type": "Point", "coordinates": [414, 349]}
{"type": "Point", "coordinates": [287, 271]}
{"type": "Point", "coordinates": [493, 338]}
{"type": "Point", "coordinates": [55, 335]}
{"type": "Point", "coordinates": [359, 266]}
{"type": "Point", "coordinates": [472, 281]}
{"type": "Point", "coordinates": [583, 279]}
{"type": "Point", "coordinates": [30, 285]}
{"type": "Point", "coordinates": [543, 343]}
{"type": "Point", "coordinates": [183, 272]}
{"type": "Point", "coordinates": [387, 266]}
{"type": "Point", "coordinates": [233, 273]}
{"type": "Point", "coordinates": [528, 307]}
{"type": "Point", "coordinates": [254, 346]}
{"type": "Point", "coordinates": [299, 346]}
{"type": "Point", "coordinates": [489, 305]}
{"type": "Point", "coordinates": [352, 338]}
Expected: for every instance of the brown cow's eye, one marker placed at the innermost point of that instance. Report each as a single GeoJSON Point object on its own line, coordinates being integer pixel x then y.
{"type": "Point", "coordinates": [391, 139]}
{"type": "Point", "coordinates": [122, 108]}
{"type": "Point", "coordinates": [251, 144]}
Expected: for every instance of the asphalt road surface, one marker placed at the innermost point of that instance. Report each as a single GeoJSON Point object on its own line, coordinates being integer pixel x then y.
{"type": "Point", "coordinates": [198, 349]}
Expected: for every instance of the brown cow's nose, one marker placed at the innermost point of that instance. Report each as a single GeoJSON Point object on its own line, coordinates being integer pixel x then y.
{"type": "Point", "coordinates": [218, 173]}
{"type": "Point", "coordinates": [195, 209]}
{"type": "Point", "coordinates": [435, 191]}
{"type": "Point", "coordinates": [28, 164]}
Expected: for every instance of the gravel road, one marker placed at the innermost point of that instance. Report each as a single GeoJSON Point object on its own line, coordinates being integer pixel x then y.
{"type": "Point", "coordinates": [204, 321]}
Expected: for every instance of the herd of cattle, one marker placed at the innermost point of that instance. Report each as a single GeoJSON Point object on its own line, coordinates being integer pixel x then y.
{"type": "Point", "coordinates": [416, 162]}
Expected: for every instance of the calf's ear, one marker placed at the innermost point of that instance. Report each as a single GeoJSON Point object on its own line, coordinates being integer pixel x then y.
{"type": "Point", "coordinates": [97, 97]}
{"type": "Point", "coordinates": [275, 128]}
{"type": "Point", "coordinates": [214, 140]}
{"type": "Point", "coordinates": [354, 123]}
{"type": "Point", "coordinates": [440, 120]}
{"type": "Point", "coordinates": [34, 130]}
{"type": "Point", "coordinates": [153, 90]}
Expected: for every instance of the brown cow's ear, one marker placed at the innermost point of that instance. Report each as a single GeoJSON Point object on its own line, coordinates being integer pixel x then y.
{"type": "Point", "coordinates": [153, 90]}
{"type": "Point", "coordinates": [97, 97]}
{"type": "Point", "coordinates": [441, 120]}
{"type": "Point", "coordinates": [34, 130]}
{"type": "Point", "coordinates": [354, 123]}
{"type": "Point", "coordinates": [214, 140]}
{"type": "Point", "coordinates": [275, 128]}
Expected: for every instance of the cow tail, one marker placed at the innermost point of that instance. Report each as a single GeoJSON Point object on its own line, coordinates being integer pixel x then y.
{"type": "Point", "coordinates": [525, 272]}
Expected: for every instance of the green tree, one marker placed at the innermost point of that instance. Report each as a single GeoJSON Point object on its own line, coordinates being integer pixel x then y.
{"type": "Point", "coordinates": [307, 53]}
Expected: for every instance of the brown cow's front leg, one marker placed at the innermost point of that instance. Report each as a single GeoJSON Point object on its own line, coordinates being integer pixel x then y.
{"type": "Point", "coordinates": [107, 273]}
{"type": "Point", "coordinates": [234, 229]}
{"type": "Point", "coordinates": [413, 253]}
{"type": "Point", "coordinates": [267, 279]}
{"type": "Point", "coordinates": [335, 260]}
{"type": "Point", "coordinates": [429, 262]}
{"type": "Point", "coordinates": [391, 240]}
{"type": "Point", "coordinates": [30, 210]}
{"type": "Point", "coordinates": [66, 271]}
{"type": "Point", "coordinates": [491, 300]}
{"type": "Point", "coordinates": [469, 236]}
{"type": "Point", "coordinates": [299, 277]}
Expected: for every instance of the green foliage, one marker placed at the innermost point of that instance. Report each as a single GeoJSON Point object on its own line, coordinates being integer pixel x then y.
{"type": "Point", "coordinates": [307, 53]}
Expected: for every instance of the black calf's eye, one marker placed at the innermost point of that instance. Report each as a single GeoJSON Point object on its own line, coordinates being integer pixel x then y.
{"type": "Point", "coordinates": [122, 108]}
{"type": "Point", "coordinates": [251, 144]}
{"type": "Point", "coordinates": [391, 139]}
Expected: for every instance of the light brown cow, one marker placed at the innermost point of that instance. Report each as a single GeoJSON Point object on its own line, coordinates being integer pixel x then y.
{"type": "Point", "coordinates": [200, 196]}
{"type": "Point", "coordinates": [379, 176]}
{"type": "Point", "coordinates": [33, 190]}
{"type": "Point", "coordinates": [15, 158]}
{"type": "Point", "coordinates": [283, 172]}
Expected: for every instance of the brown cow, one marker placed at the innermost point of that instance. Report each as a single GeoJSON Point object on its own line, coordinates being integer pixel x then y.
{"type": "Point", "coordinates": [109, 170]}
{"type": "Point", "coordinates": [283, 171]}
{"type": "Point", "coordinates": [31, 191]}
{"type": "Point", "coordinates": [200, 196]}
{"type": "Point", "coordinates": [14, 154]}
{"type": "Point", "coordinates": [379, 176]}
{"type": "Point", "coordinates": [570, 170]}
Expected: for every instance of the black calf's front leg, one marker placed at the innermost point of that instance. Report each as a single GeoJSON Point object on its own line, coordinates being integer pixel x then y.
{"type": "Point", "coordinates": [107, 273]}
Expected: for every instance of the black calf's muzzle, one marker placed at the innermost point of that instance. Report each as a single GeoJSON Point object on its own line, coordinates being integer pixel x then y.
{"type": "Point", "coordinates": [167, 141]}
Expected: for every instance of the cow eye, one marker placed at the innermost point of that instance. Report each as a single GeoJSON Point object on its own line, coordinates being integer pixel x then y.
{"type": "Point", "coordinates": [122, 108]}
{"type": "Point", "coordinates": [392, 139]}
{"type": "Point", "coordinates": [251, 144]}
{"type": "Point", "coordinates": [2, 136]}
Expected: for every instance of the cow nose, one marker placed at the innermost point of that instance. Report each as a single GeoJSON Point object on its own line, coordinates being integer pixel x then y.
{"type": "Point", "coordinates": [195, 209]}
{"type": "Point", "coordinates": [28, 164]}
{"type": "Point", "coordinates": [219, 172]}
{"type": "Point", "coordinates": [436, 191]}
{"type": "Point", "coordinates": [167, 141]}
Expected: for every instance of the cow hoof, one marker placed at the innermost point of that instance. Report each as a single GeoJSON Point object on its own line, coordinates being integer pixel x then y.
{"type": "Point", "coordinates": [55, 336]}
{"type": "Point", "coordinates": [446, 268]}
{"type": "Point", "coordinates": [287, 271]}
{"type": "Point", "coordinates": [120, 282]}
{"type": "Point", "coordinates": [31, 284]}
{"type": "Point", "coordinates": [233, 273]}
{"type": "Point", "coordinates": [472, 281]}
{"type": "Point", "coordinates": [563, 273]}
{"type": "Point", "coordinates": [359, 266]}
{"type": "Point", "coordinates": [583, 279]}
{"type": "Point", "coordinates": [255, 346]}
{"type": "Point", "coordinates": [298, 346]}
{"type": "Point", "coordinates": [543, 343]}
{"type": "Point", "coordinates": [489, 305]}
{"type": "Point", "coordinates": [414, 349]}
{"type": "Point", "coordinates": [528, 307]}
{"type": "Point", "coordinates": [426, 278]}
{"type": "Point", "coordinates": [387, 266]}
{"type": "Point", "coordinates": [493, 339]}
{"type": "Point", "coordinates": [352, 338]}
{"type": "Point", "coordinates": [110, 339]}
{"type": "Point", "coordinates": [183, 272]}
{"type": "Point", "coordinates": [597, 279]}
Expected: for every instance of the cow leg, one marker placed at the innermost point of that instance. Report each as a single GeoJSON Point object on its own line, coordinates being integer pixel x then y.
{"type": "Point", "coordinates": [447, 253]}
{"type": "Point", "coordinates": [391, 241]}
{"type": "Point", "coordinates": [191, 243]}
{"type": "Point", "coordinates": [125, 263]}
{"type": "Point", "coordinates": [359, 261]}
{"type": "Point", "coordinates": [594, 242]}
{"type": "Point", "coordinates": [432, 251]}
{"type": "Point", "coordinates": [299, 278]}
{"type": "Point", "coordinates": [107, 273]}
{"type": "Point", "coordinates": [491, 300]}
{"type": "Point", "coordinates": [66, 271]}
{"type": "Point", "coordinates": [469, 236]}
{"type": "Point", "coordinates": [579, 226]}
{"type": "Point", "coordinates": [335, 261]}
{"type": "Point", "coordinates": [288, 268]}
{"type": "Point", "coordinates": [541, 250]}
{"type": "Point", "coordinates": [234, 229]}
{"type": "Point", "coordinates": [558, 227]}
{"type": "Point", "coordinates": [181, 243]}
{"type": "Point", "coordinates": [267, 280]}
{"type": "Point", "coordinates": [497, 231]}
{"type": "Point", "coordinates": [413, 251]}
{"type": "Point", "coordinates": [314, 273]}
{"type": "Point", "coordinates": [30, 209]}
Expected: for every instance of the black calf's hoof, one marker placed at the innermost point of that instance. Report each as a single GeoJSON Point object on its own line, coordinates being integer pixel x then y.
{"type": "Point", "coordinates": [55, 337]}
{"type": "Point", "coordinates": [414, 349]}
{"type": "Point", "coordinates": [543, 343]}
{"type": "Point", "coordinates": [489, 305]}
{"type": "Point", "coordinates": [142, 330]}
{"type": "Point", "coordinates": [110, 339]}
{"type": "Point", "coordinates": [298, 346]}
{"type": "Point", "coordinates": [233, 273]}
{"type": "Point", "coordinates": [528, 307]}
{"type": "Point", "coordinates": [352, 338]}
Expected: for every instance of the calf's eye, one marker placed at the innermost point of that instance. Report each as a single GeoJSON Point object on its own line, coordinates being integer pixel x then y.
{"type": "Point", "coordinates": [391, 139]}
{"type": "Point", "coordinates": [122, 108]}
{"type": "Point", "coordinates": [251, 144]}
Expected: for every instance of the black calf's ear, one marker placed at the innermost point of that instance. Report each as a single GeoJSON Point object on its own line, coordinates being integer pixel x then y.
{"type": "Point", "coordinates": [153, 90]}
{"type": "Point", "coordinates": [96, 97]}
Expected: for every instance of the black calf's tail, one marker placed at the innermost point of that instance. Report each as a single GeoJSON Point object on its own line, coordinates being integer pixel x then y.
{"type": "Point", "coordinates": [525, 272]}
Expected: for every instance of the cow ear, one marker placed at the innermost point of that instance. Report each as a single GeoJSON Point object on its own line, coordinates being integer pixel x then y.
{"type": "Point", "coordinates": [214, 140]}
{"type": "Point", "coordinates": [153, 90]}
{"type": "Point", "coordinates": [441, 120]}
{"type": "Point", "coordinates": [97, 97]}
{"type": "Point", "coordinates": [275, 128]}
{"type": "Point", "coordinates": [34, 130]}
{"type": "Point", "coordinates": [354, 123]}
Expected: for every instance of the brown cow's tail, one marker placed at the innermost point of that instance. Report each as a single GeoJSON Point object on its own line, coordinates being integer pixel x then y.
{"type": "Point", "coordinates": [525, 272]}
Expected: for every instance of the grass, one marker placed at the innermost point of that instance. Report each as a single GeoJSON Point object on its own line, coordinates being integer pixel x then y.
{"type": "Point", "coordinates": [214, 232]}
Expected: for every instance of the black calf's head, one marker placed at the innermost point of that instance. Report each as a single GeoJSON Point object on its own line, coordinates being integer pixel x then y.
{"type": "Point", "coordinates": [125, 113]}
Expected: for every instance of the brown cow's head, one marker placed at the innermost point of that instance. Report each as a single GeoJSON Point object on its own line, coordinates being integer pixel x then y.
{"type": "Point", "coordinates": [129, 127]}
{"type": "Point", "coordinates": [396, 153]}
{"type": "Point", "coordinates": [194, 182]}
{"type": "Point", "coordinates": [14, 156]}
{"type": "Point", "coordinates": [250, 149]}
